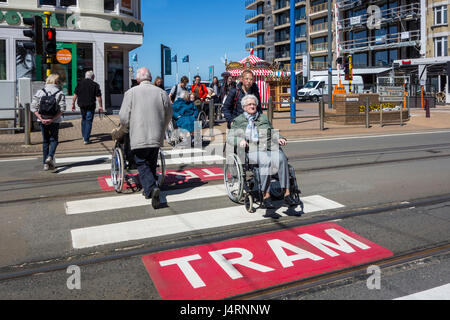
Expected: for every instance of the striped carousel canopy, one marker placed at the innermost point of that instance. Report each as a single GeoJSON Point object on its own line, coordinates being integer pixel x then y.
{"type": "Point", "coordinates": [253, 60]}
{"type": "Point", "coordinates": [256, 72]}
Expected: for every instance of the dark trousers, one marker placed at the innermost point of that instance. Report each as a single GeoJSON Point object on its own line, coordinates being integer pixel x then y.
{"type": "Point", "coordinates": [49, 139]}
{"type": "Point", "coordinates": [87, 117]}
{"type": "Point", "coordinates": [146, 162]}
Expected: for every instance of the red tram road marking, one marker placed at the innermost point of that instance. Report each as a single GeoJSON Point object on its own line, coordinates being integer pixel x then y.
{"type": "Point", "coordinates": [224, 269]}
{"type": "Point", "coordinates": [175, 177]}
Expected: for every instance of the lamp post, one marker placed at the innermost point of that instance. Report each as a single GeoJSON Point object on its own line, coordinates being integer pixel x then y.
{"type": "Point", "coordinates": [292, 36]}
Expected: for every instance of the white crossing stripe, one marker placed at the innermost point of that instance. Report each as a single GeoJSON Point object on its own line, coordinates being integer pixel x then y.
{"type": "Point", "coordinates": [138, 200]}
{"type": "Point", "coordinates": [106, 157]}
{"type": "Point", "coordinates": [438, 293]}
{"type": "Point", "coordinates": [188, 222]}
{"type": "Point", "coordinates": [181, 159]}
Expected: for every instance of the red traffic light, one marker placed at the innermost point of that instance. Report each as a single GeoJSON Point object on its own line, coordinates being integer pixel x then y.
{"type": "Point", "coordinates": [49, 34]}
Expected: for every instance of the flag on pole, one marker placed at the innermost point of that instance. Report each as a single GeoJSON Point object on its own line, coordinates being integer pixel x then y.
{"type": "Point", "coordinates": [134, 58]}
{"type": "Point", "coordinates": [186, 59]}
{"type": "Point", "coordinates": [174, 58]}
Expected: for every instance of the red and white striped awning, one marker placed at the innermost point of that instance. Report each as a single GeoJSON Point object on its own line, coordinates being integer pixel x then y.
{"type": "Point", "coordinates": [253, 60]}
{"type": "Point", "coordinates": [257, 72]}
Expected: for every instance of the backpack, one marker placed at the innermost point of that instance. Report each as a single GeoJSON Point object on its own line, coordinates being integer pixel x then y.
{"type": "Point", "coordinates": [48, 105]}
{"type": "Point", "coordinates": [174, 94]}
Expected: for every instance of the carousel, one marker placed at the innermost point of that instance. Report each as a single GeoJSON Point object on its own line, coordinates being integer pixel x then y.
{"type": "Point", "coordinates": [271, 81]}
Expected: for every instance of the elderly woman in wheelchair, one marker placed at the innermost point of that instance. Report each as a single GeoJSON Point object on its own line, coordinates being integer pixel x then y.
{"type": "Point", "coordinates": [254, 139]}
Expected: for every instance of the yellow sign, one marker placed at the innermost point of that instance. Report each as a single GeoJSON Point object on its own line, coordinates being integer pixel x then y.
{"type": "Point", "coordinates": [64, 56]}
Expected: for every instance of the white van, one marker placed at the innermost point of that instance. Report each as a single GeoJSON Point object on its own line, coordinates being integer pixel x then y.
{"type": "Point", "coordinates": [317, 86]}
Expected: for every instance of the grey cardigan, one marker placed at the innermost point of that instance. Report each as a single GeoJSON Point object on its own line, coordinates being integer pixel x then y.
{"type": "Point", "coordinates": [51, 89]}
{"type": "Point", "coordinates": [146, 110]}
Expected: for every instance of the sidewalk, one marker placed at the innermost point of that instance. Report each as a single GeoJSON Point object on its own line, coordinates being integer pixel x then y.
{"type": "Point", "coordinates": [70, 140]}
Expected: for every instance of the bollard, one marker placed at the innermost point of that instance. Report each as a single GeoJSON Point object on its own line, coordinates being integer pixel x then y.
{"type": "Point", "coordinates": [211, 117]}
{"type": "Point", "coordinates": [27, 124]}
{"type": "Point", "coordinates": [427, 108]}
{"type": "Point", "coordinates": [367, 113]}
{"type": "Point", "coordinates": [401, 116]}
{"type": "Point", "coordinates": [381, 115]}
{"type": "Point", "coordinates": [270, 110]}
{"type": "Point", "coordinates": [321, 114]}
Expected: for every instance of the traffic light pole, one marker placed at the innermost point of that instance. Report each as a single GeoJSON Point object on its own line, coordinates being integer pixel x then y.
{"type": "Point", "coordinates": [48, 58]}
{"type": "Point", "coordinates": [330, 58]}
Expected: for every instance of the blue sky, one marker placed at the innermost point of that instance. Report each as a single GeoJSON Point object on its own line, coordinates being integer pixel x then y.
{"type": "Point", "coordinates": [205, 30]}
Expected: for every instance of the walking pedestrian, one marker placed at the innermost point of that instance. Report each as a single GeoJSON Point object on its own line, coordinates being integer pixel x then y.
{"type": "Point", "coordinates": [228, 84]}
{"type": "Point", "coordinates": [48, 105]}
{"type": "Point", "coordinates": [199, 90]}
{"type": "Point", "coordinates": [232, 106]}
{"type": "Point", "coordinates": [159, 82]}
{"type": "Point", "coordinates": [86, 93]}
{"type": "Point", "coordinates": [146, 111]}
{"type": "Point", "coordinates": [178, 89]}
{"type": "Point", "coordinates": [215, 85]}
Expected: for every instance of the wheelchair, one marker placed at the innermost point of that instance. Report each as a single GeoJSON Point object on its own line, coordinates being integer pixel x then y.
{"type": "Point", "coordinates": [242, 182]}
{"type": "Point", "coordinates": [122, 162]}
{"type": "Point", "coordinates": [174, 136]}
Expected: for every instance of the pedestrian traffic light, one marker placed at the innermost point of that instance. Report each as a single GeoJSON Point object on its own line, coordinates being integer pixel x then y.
{"type": "Point", "coordinates": [50, 41]}
{"type": "Point", "coordinates": [35, 33]}
{"type": "Point", "coordinates": [348, 67]}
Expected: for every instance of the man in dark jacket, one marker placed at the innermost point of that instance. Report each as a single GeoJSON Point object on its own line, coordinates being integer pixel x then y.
{"type": "Point", "coordinates": [232, 106]}
{"type": "Point", "coordinates": [86, 92]}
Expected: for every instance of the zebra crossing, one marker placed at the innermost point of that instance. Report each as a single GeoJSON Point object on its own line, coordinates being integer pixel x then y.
{"type": "Point", "coordinates": [169, 223]}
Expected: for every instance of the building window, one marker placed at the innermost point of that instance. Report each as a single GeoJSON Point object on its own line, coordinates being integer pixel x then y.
{"type": "Point", "coordinates": [2, 59]}
{"type": "Point", "coordinates": [58, 3]}
{"type": "Point", "coordinates": [115, 72]}
{"type": "Point", "coordinates": [109, 5]}
{"type": "Point", "coordinates": [3, 1]}
{"type": "Point", "coordinates": [440, 47]}
{"type": "Point", "coordinates": [440, 15]}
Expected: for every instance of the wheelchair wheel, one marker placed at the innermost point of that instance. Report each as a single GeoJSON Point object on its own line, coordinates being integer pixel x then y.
{"type": "Point", "coordinates": [162, 168]}
{"type": "Point", "coordinates": [170, 134]}
{"type": "Point", "coordinates": [233, 178]}
{"type": "Point", "coordinates": [117, 169]}
{"type": "Point", "coordinates": [203, 119]}
{"type": "Point", "coordinates": [248, 203]}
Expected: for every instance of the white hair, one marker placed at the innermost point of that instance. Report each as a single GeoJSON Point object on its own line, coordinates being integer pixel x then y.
{"type": "Point", "coordinates": [90, 75]}
{"type": "Point", "coordinates": [143, 74]}
{"type": "Point", "coordinates": [185, 94]}
{"type": "Point", "coordinates": [248, 97]}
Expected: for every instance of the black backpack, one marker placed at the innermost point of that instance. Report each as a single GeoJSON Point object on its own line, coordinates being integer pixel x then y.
{"type": "Point", "coordinates": [49, 106]}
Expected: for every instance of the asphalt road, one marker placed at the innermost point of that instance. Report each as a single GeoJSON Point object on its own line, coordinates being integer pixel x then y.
{"type": "Point", "coordinates": [361, 173]}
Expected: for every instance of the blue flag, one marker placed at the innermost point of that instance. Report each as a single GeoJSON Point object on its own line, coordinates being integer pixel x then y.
{"type": "Point", "coordinates": [186, 59]}
{"type": "Point", "coordinates": [174, 58]}
{"type": "Point", "coordinates": [135, 57]}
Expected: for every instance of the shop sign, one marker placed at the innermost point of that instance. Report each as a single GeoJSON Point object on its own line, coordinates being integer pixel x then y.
{"type": "Point", "coordinates": [119, 25]}
{"type": "Point", "coordinates": [64, 56]}
{"type": "Point", "coordinates": [62, 20]}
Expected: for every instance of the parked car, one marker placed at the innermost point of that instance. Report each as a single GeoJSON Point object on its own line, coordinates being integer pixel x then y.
{"type": "Point", "coordinates": [318, 86]}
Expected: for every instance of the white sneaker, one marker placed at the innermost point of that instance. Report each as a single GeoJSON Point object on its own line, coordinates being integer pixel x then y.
{"type": "Point", "coordinates": [50, 162]}
{"type": "Point", "coordinates": [46, 167]}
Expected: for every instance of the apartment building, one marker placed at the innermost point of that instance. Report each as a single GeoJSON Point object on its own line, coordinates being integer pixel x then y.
{"type": "Point", "coordinates": [270, 33]}
{"type": "Point", "coordinates": [378, 33]}
{"type": "Point", "coordinates": [98, 34]}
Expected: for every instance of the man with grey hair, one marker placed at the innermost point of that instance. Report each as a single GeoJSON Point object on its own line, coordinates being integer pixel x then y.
{"type": "Point", "coordinates": [86, 92]}
{"type": "Point", "coordinates": [146, 111]}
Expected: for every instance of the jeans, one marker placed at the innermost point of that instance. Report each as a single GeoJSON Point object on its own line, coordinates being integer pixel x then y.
{"type": "Point", "coordinates": [49, 140]}
{"type": "Point", "coordinates": [146, 161]}
{"type": "Point", "coordinates": [87, 117]}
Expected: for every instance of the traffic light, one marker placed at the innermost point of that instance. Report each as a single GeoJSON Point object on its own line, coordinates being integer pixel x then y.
{"type": "Point", "coordinates": [35, 33]}
{"type": "Point", "coordinates": [348, 67]}
{"type": "Point", "coordinates": [50, 41]}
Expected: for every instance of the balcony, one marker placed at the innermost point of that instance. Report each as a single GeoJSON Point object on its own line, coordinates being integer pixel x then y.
{"type": "Point", "coordinates": [317, 47]}
{"type": "Point", "coordinates": [319, 9]}
{"type": "Point", "coordinates": [318, 28]}
{"type": "Point", "coordinates": [318, 65]}
{"type": "Point", "coordinates": [252, 4]}
{"type": "Point", "coordinates": [387, 41]}
{"type": "Point", "coordinates": [402, 13]}
{"type": "Point", "coordinates": [253, 17]}
{"type": "Point", "coordinates": [253, 32]}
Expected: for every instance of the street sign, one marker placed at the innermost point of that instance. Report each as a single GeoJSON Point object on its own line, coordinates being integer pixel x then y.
{"type": "Point", "coordinates": [391, 93]}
